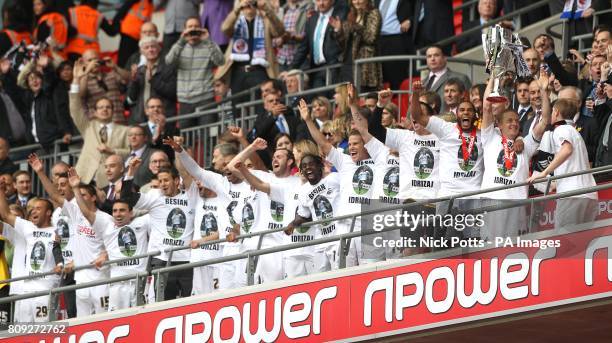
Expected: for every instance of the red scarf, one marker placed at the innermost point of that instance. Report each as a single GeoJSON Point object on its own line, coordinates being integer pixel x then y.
{"type": "Point", "coordinates": [465, 147]}
{"type": "Point", "coordinates": [508, 155]}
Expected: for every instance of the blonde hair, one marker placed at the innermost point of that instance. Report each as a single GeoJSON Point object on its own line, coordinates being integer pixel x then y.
{"type": "Point", "coordinates": [342, 105]}
{"type": "Point", "coordinates": [305, 147]}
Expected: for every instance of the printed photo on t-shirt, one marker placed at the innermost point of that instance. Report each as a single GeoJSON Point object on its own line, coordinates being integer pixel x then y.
{"type": "Point", "coordinates": [176, 223]}
{"type": "Point", "coordinates": [127, 241]}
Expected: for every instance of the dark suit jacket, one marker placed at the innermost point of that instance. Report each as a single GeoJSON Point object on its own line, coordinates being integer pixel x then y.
{"type": "Point", "coordinates": [471, 40]}
{"type": "Point", "coordinates": [143, 175]}
{"type": "Point", "coordinates": [438, 86]}
{"type": "Point", "coordinates": [437, 23]}
{"type": "Point", "coordinates": [169, 131]}
{"type": "Point", "coordinates": [527, 118]}
{"type": "Point", "coordinates": [331, 49]}
{"type": "Point", "coordinates": [16, 201]}
{"type": "Point", "coordinates": [163, 85]}
{"type": "Point", "coordinates": [265, 127]}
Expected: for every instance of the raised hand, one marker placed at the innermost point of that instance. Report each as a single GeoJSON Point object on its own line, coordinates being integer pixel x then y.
{"type": "Point", "coordinates": [335, 23]}
{"type": "Point", "coordinates": [577, 56]}
{"type": "Point", "coordinates": [171, 143]}
{"type": "Point", "coordinates": [79, 69]}
{"type": "Point", "coordinates": [543, 81]}
{"type": "Point", "coordinates": [304, 111]}
{"type": "Point", "coordinates": [134, 164]}
{"type": "Point", "coordinates": [35, 163]}
{"type": "Point", "coordinates": [417, 87]}
{"type": "Point", "coordinates": [259, 144]}
{"type": "Point", "coordinates": [5, 65]}
{"type": "Point", "coordinates": [384, 96]}
{"type": "Point", "coordinates": [73, 178]}
{"type": "Point", "coordinates": [350, 92]}
{"type": "Point", "coordinates": [236, 132]}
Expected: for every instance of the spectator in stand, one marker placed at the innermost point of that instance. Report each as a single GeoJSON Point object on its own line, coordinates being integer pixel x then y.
{"type": "Point", "coordinates": [136, 60]}
{"type": "Point", "coordinates": [589, 86]}
{"type": "Point", "coordinates": [139, 147]}
{"type": "Point", "coordinates": [278, 119]}
{"type": "Point", "coordinates": [100, 136]}
{"type": "Point", "coordinates": [223, 96]}
{"type": "Point", "coordinates": [321, 110]}
{"type": "Point", "coordinates": [396, 37]}
{"type": "Point", "coordinates": [86, 20]}
{"type": "Point", "coordinates": [602, 113]}
{"type": "Point", "coordinates": [389, 117]}
{"type": "Point", "coordinates": [535, 98]}
{"type": "Point", "coordinates": [438, 73]}
{"type": "Point", "coordinates": [12, 123]}
{"type": "Point", "coordinates": [16, 20]}
{"type": "Point", "coordinates": [157, 127]}
{"type": "Point", "coordinates": [532, 58]}
{"type": "Point", "coordinates": [487, 10]}
{"type": "Point", "coordinates": [43, 123]}
{"type": "Point", "coordinates": [454, 92]}
{"type": "Point", "coordinates": [320, 43]}
{"type": "Point", "coordinates": [102, 79]}
{"type": "Point", "coordinates": [250, 57]}
{"type": "Point", "coordinates": [157, 161]}
{"type": "Point", "coordinates": [114, 170]}
{"type": "Point", "coordinates": [58, 169]}
{"type": "Point", "coordinates": [358, 38]}
{"type": "Point", "coordinates": [11, 192]}
{"type": "Point", "coordinates": [131, 16]}
{"type": "Point", "coordinates": [194, 56]}
{"type": "Point", "coordinates": [523, 102]}
{"type": "Point", "coordinates": [295, 13]}
{"type": "Point", "coordinates": [175, 17]}
{"type": "Point", "coordinates": [51, 27]}
{"type": "Point", "coordinates": [153, 79]}
{"type": "Point", "coordinates": [215, 11]}
{"type": "Point", "coordinates": [432, 22]}
{"type": "Point", "coordinates": [6, 165]}
{"type": "Point", "coordinates": [60, 93]}
{"type": "Point", "coordinates": [432, 99]}
{"type": "Point", "coordinates": [476, 97]}
{"type": "Point", "coordinates": [295, 82]}
{"type": "Point", "coordinates": [371, 99]}
{"type": "Point", "coordinates": [23, 186]}
{"type": "Point", "coordinates": [543, 43]}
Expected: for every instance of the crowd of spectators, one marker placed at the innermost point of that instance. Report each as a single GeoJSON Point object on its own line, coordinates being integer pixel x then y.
{"type": "Point", "coordinates": [56, 84]}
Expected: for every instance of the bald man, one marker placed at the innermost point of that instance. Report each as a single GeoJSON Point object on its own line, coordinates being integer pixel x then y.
{"type": "Point", "coordinates": [533, 61]}
{"type": "Point", "coordinates": [102, 79]}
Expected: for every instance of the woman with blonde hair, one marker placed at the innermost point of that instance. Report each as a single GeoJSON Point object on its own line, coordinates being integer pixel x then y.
{"type": "Point", "coordinates": [321, 109]}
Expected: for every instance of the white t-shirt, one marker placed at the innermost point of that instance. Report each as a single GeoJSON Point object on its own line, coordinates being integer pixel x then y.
{"type": "Point", "coordinates": [19, 257]}
{"type": "Point", "coordinates": [386, 172]}
{"type": "Point", "coordinates": [125, 241]}
{"type": "Point", "coordinates": [578, 161]}
{"type": "Point", "coordinates": [356, 185]}
{"type": "Point", "coordinates": [321, 202]}
{"type": "Point", "coordinates": [496, 174]}
{"type": "Point", "coordinates": [419, 158]}
{"type": "Point", "coordinates": [287, 193]}
{"type": "Point", "coordinates": [210, 216]}
{"type": "Point", "coordinates": [270, 214]}
{"type": "Point", "coordinates": [38, 253]}
{"type": "Point", "coordinates": [171, 221]}
{"type": "Point", "coordinates": [63, 224]}
{"type": "Point", "coordinates": [456, 176]}
{"type": "Point", "coordinates": [222, 187]}
{"type": "Point", "coordinates": [84, 243]}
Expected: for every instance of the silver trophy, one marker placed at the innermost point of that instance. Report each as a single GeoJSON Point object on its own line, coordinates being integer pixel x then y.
{"type": "Point", "coordinates": [503, 52]}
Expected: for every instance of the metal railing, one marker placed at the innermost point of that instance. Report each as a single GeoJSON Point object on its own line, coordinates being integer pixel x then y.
{"type": "Point", "coordinates": [492, 22]}
{"type": "Point", "coordinates": [567, 39]}
{"type": "Point", "coordinates": [412, 65]}
{"type": "Point", "coordinates": [343, 239]}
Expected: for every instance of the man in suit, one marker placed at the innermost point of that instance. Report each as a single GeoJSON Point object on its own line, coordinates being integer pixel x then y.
{"type": "Point", "coordinates": [523, 104]}
{"type": "Point", "coordinates": [278, 119]}
{"type": "Point", "coordinates": [486, 11]}
{"type": "Point", "coordinates": [432, 22]}
{"type": "Point", "coordinates": [320, 42]}
{"type": "Point", "coordinates": [157, 128]}
{"type": "Point", "coordinates": [101, 137]}
{"type": "Point", "coordinates": [439, 73]}
{"type": "Point", "coordinates": [23, 187]}
{"type": "Point", "coordinates": [396, 37]}
{"type": "Point", "coordinates": [139, 147]}
{"type": "Point", "coordinates": [114, 169]}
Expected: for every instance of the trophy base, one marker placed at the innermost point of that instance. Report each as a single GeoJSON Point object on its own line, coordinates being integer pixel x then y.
{"type": "Point", "coordinates": [496, 98]}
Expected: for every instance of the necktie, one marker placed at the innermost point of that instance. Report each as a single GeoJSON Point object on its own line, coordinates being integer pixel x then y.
{"type": "Point", "coordinates": [522, 114]}
{"type": "Point", "coordinates": [104, 134]}
{"type": "Point", "coordinates": [317, 39]}
{"type": "Point", "coordinates": [430, 82]}
{"type": "Point", "coordinates": [23, 203]}
{"type": "Point", "coordinates": [111, 192]}
{"type": "Point", "coordinates": [280, 125]}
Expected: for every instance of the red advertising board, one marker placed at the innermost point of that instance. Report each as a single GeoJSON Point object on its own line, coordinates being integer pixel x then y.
{"type": "Point", "coordinates": [408, 296]}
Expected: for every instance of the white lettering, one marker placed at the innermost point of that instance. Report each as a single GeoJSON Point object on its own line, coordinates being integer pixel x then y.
{"type": "Point", "coordinates": [442, 306]}
{"type": "Point", "coordinates": [228, 312]}
{"type": "Point", "coordinates": [507, 277]}
{"type": "Point", "coordinates": [192, 319]}
{"type": "Point", "coordinates": [404, 301]}
{"type": "Point", "coordinates": [385, 284]}
{"type": "Point", "coordinates": [290, 316]}
{"type": "Point", "coordinates": [261, 334]}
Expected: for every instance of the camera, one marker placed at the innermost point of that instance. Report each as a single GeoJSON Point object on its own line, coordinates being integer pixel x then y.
{"type": "Point", "coordinates": [194, 33]}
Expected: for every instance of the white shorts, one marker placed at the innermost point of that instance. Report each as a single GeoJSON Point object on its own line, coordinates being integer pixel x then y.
{"type": "Point", "coordinates": [92, 300]}
{"type": "Point", "coordinates": [298, 265]}
{"type": "Point", "coordinates": [122, 295]}
{"type": "Point", "coordinates": [32, 310]}
{"type": "Point", "coordinates": [268, 269]}
{"type": "Point", "coordinates": [233, 274]}
{"type": "Point", "coordinates": [205, 280]}
{"type": "Point", "coordinates": [326, 259]}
